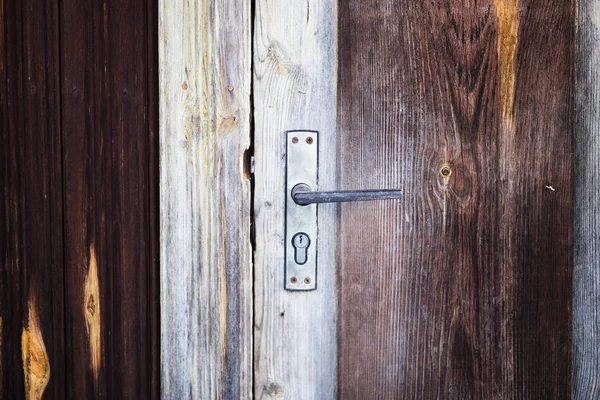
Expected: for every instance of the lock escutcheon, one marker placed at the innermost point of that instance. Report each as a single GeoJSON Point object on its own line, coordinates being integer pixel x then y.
{"type": "Point", "coordinates": [301, 233]}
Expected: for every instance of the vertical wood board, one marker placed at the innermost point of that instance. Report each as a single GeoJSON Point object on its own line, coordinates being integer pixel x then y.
{"type": "Point", "coordinates": [32, 352]}
{"type": "Point", "coordinates": [464, 288]}
{"type": "Point", "coordinates": [586, 307]}
{"type": "Point", "coordinates": [110, 191]}
{"type": "Point", "coordinates": [206, 259]}
{"type": "Point", "coordinates": [294, 88]}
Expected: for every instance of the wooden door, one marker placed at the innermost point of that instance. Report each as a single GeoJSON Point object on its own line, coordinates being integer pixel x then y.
{"type": "Point", "coordinates": [465, 288]}
{"type": "Point", "coordinates": [462, 289]}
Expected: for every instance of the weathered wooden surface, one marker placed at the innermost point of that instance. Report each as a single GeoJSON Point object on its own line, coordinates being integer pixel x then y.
{"type": "Point", "coordinates": [110, 187]}
{"type": "Point", "coordinates": [206, 260]}
{"type": "Point", "coordinates": [586, 307]}
{"type": "Point", "coordinates": [31, 203]}
{"type": "Point", "coordinates": [464, 288]}
{"type": "Point", "coordinates": [294, 88]}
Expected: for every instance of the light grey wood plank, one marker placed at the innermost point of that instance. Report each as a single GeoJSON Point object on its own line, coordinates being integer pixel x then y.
{"type": "Point", "coordinates": [586, 314]}
{"type": "Point", "coordinates": [206, 268]}
{"type": "Point", "coordinates": [294, 88]}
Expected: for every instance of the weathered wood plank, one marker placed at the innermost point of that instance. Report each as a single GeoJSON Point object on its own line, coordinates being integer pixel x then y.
{"type": "Point", "coordinates": [295, 88]}
{"type": "Point", "coordinates": [110, 236]}
{"type": "Point", "coordinates": [586, 307]}
{"type": "Point", "coordinates": [206, 260]}
{"type": "Point", "coordinates": [31, 203]}
{"type": "Point", "coordinates": [464, 288]}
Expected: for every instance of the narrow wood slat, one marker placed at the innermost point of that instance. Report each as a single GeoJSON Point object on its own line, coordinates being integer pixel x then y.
{"type": "Point", "coordinates": [294, 88]}
{"type": "Point", "coordinates": [464, 288]}
{"type": "Point", "coordinates": [153, 192]}
{"type": "Point", "coordinates": [110, 198]}
{"type": "Point", "coordinates": [31, 203]}
{"type": "Point", "coordinates": [586, 307]}
{"type": "Point", "coordinates": [206, 257]}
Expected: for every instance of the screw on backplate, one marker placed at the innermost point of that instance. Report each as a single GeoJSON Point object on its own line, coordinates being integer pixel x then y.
{"type": "Point", "coordinates": [309, 140]}
{"type": "Point", "coordinates": [293, 279]}
{"type": "Point", "coordinates": [307, 281]}
{"type": "Point", "coordinates": [294, 140]}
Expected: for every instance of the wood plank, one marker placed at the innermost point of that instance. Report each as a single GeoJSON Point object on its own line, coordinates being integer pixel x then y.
{"type": "Point", "coordinates": [110, 198]}
{"type": "Point", "coordinates": [464, 288]}
{"type": "Point", "coordinates": [31, 203]}
{"type": "Point", "coordinates": [206, 256]}
{"type": "Point", "coordinates": [153, 194]}
{"type": "Point", "coordinates": [294, 88]}
{"type": "Point", "coordinates": [586, 303]}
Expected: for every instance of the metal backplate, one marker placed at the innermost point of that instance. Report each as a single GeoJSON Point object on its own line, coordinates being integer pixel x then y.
{"type": "Point", "coordinates": [301, 167]}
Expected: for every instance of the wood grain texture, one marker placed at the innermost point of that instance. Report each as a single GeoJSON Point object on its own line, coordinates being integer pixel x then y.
{"type": "Point", "coordinates": [154, 196]}
{"type": "Point", "coordinates": [586, 307]}
{"type": "Point", "coordinates": [110, 191]}
{"type": "Point", "coordinates": [36, 365]}
{"type": "Point", "coordinates": [92, 311]}
{"type": "Point", "coordinates": [294, 88]}
{"type": "Point", "coordinates": [31, 203]}
{"type": "Point", "coordinates": [206, 256]}
{"type": "Point", "coordinates": [464, 288]}
{"type": "Point", "coordinates": [2, 366]}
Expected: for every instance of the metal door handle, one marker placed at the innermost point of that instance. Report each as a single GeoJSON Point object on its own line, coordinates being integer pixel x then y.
{"type": "Point", "coordinates": [303, 195]}
{"type": "Point", "coordinates": [301, 202]}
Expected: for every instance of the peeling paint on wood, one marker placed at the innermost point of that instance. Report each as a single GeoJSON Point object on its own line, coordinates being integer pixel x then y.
{"type": "Point", "coordinates": [36, 365]}
{"type": "Point", "coordinates": [92, 313]}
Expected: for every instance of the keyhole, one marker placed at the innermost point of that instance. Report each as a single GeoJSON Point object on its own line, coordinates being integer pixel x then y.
{"type": "Point", "coordinates": [300, 241]}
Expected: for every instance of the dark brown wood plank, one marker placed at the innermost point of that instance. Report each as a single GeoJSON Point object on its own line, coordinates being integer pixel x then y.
{"type": "Point", "coordinates": [153, 204]}
{"type": "Point", "coordinates": [31, 230]}
{"type": "Point", "coordinates": [110, 197]}
{"type": "Point", "coordinates": [462, 289]}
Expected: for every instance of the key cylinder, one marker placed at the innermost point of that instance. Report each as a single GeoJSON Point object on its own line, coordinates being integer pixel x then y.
{"type": "Point", "coordinates": [301, 241]}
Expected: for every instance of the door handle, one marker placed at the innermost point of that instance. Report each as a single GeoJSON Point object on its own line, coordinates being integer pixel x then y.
{"type": "Point", "coordinates": [303, 195]}
{"type": "Point", "coordinates": [301, 233]}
